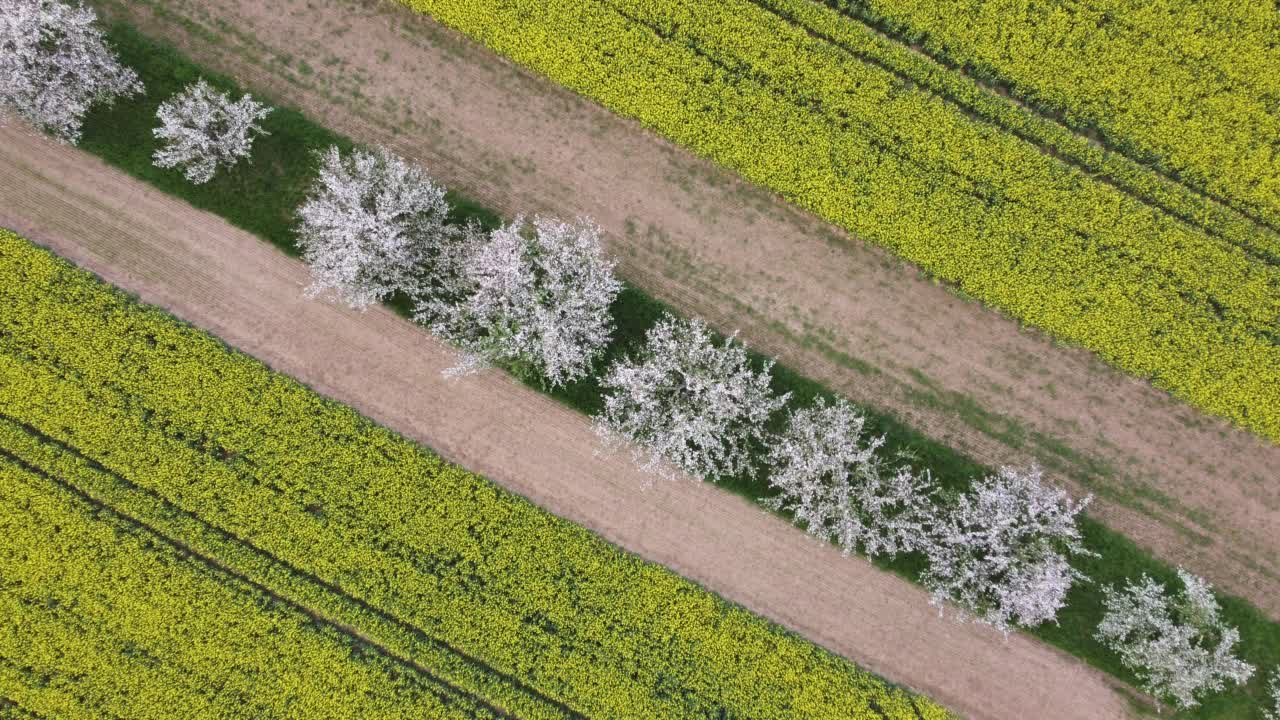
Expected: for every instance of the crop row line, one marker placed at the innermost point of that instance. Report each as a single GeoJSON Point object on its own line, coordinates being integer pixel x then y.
{"type": "Point", "coordinates": [969, 185]}
{"type": "Point", "coordinates": [110, 490]}
{"type": "Point", "coordinates": [869, 132]}
{"type": "Point", "coordinates": [114, 606]}
{"type": "Point", "coordinates": [1175, 196]}
{"type": "Point", "coordinates": [220, 567]}
{"type": "Point", "coordinates": [891, 32]}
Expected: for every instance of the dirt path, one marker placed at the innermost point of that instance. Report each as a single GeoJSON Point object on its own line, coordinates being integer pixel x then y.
{"type": "Point", "coordinates": [1189, 487]}
{"type": "Point", "coordinates": [248, 293]}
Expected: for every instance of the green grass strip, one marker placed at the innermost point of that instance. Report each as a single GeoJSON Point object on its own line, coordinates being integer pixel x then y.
{"type": "Point", "coordinates": [117, 136]}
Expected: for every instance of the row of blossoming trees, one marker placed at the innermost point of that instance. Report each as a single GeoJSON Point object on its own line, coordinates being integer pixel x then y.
{"type": "Point", "coordinates": [534, 296]}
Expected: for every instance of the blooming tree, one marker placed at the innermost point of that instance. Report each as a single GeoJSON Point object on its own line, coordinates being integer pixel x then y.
{"type": "Point", "coordinates": [371, 226]}
{"type": "Point", "coordinates": [54, 65]}
{"type": "Point", "coordinates": [688, 402]}
{"type": "Point", "coordinates": [1177, 645]}
{"type": "Point", "coordinates": [539, 300]}
{"type": "Point", "coordinates": [999, 553]}
{"type": "Point", "coordinates": [438, 289]}
{"type": "Point", "coordinates": [1274, 687]}
{"type": "Point", "coordinates": [202, 129]}
{"type": "Point", "coordinates": [831, 477]}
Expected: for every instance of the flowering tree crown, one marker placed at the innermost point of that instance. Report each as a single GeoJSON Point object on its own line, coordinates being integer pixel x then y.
{"type": "Point", "coordinates": [372, 226]}
{"type": "Point", "coordinates": [1000, 552]}
{"type": "Point", "coordinates": [54, 65]}
{"type": "Point", "coordinates": [832, 480]}
{"type": "Point", "coordinates": [1177, 644]}
{"type": "Point", "coordinates": [538, 300]}
{"type": "Point", "coordinates": [1274, 688]}
{"type": "Point", "coordinates": [202, 129]}
{"type": "Point", "coordinates": [688, 402]}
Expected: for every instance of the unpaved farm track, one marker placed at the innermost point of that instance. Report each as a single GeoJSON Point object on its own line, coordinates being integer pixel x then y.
{"type": "Point", "coordinates": [1189, 487]}
{"type": "Point", "coordinates": [248, 293]}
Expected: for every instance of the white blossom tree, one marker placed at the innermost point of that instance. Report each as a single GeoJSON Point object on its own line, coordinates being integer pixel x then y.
{"type": "Point", "coordinates": [687, 402]}
{"type": "Point", "coordinates": [202, 129]}
{"type": "Point", "coordinates": [1177, 645]}
{"type": "Point", "coordinates": [832, 479]}
{"type": "Point", "coordinates": [1274, 688]}
{"type": "Point", "coordinates": [539, 300]}
{"type": "Point", "coordinates": [54, 65]}
{"type": "Point", "coordinates": [371, 226]}
{"type": "Point", "coordinates": [444, 284]}
{"type": "Point", "coordinates": [999, 553]}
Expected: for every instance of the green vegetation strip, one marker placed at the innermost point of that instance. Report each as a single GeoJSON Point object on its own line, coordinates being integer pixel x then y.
{"type": "Point", "coordinates": [104, 618]}
{"type": "Point", "coordinates": [1189, 85]}
{"type": "Point", "coordinates": [896, 164]}
{"type": "Point", "coordinates": [261, 458]}
{"type": "Point", "coordinates": [245, 197]}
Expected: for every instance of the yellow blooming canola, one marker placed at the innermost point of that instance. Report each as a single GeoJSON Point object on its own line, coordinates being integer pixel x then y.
{"type": "Point", "coordinates": [1192, 83]}
{"type": "Point", "coordinates": [104, 620]}
{"type": "Point", "coordinates": [1153, 279]}
{"type": "Point", "coordinates": [269, 486]}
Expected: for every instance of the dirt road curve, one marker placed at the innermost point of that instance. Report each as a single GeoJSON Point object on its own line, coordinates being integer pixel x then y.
{"type": "Point", "coordinates": [1189, 487]}
{"type": "Point", "coordinates": [245, 291]}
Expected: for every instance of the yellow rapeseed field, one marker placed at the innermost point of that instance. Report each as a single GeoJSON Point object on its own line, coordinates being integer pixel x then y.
{"type": "Point", "coordinates": [1190, 84]}
{"type": "Point", "coordinates": [218, 449]}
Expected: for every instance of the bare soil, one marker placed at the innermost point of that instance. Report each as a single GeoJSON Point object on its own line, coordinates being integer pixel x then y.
{"type": "Point", "coordinates": [1189, 487]}
{"type": "Point", "coordinates": [248, 293]}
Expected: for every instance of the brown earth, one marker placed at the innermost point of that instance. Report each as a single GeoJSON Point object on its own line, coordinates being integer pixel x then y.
{"type": "Point", "coordinates": [1188, 487]}
{"type": "Point", "coordinates": [245, 291]}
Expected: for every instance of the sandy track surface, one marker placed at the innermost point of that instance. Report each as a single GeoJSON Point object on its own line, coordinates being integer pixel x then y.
{"type": "Point", "coordinates": [242, 289]}
{"type": "Point", "coordinates": [1188, 487]}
